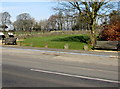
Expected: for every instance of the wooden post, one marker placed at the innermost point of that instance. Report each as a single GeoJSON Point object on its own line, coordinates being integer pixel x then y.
{"type": "Point", "coordinates": [20, 43]}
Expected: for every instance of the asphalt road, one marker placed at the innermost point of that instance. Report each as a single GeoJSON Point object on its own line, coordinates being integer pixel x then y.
{"type": "Point", "coordinates": [29, 68]}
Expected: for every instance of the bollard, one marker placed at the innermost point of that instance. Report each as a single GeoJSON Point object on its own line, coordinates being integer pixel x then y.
{"type": "Point", "coordinates": [20, 43]}
{"type": "Point", "coordinates": [85, 47]}
{"type": "Point", "coordinates": [66, 46]}
{"type": "Point", "coordinates": [31, 44]}
{"type": "Point", "coordinates": [46, 45]}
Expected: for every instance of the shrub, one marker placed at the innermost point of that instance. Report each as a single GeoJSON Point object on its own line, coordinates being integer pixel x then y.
{"type": "Point", "coordinates": [111, 32]}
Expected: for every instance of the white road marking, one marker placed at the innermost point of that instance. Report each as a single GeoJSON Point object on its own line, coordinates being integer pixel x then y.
{"type": "Point", "coordinates": [77, 76]}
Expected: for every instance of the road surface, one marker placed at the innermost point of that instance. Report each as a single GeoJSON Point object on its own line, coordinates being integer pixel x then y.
{"type": "Point", "coordinates": [36, 68]}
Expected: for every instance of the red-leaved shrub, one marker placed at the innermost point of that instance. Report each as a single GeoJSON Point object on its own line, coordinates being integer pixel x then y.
{"type": "Point", "coordinates": [111, 32]}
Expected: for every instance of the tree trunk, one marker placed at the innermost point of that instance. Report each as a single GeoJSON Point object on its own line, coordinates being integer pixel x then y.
{"type": "Point", "coordinates": [93, 33]}
{"type": "Point", "coordinates": [92, 27]}
{"type": "Point", "coordinates": [61, 27]}
{"type": "Point", "coordinates": [3, 29]}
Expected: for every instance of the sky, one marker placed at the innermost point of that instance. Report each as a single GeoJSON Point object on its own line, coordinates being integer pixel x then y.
{"type": "Point", "coordinates": [38, 10]}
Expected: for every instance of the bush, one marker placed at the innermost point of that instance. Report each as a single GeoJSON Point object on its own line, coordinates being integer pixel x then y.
{"type": "Point", "coordinates": [84, 39]}
{"type": "Point", "coordinates": [112, 32]}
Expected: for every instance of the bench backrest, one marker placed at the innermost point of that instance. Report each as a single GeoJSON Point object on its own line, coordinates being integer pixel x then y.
{"type": "Point", "coordinates": [107, 44]}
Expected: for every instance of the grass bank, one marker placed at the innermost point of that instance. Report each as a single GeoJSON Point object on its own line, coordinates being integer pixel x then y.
{"type": "Point", "coordinates": [73, 41]}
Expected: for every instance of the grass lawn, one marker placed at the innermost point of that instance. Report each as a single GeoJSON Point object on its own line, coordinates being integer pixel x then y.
{"type": "Point", "coordinates": [76, 42]}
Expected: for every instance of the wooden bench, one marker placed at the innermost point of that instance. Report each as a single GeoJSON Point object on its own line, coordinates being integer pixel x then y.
{"type": "Point", "coordinates": [110, 45]}
{"type": "Point", "coordinates": [10, 41]}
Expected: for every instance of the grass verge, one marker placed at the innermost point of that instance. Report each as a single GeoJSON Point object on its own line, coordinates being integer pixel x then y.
{"type": "Point", "coordinates": [75, 42]}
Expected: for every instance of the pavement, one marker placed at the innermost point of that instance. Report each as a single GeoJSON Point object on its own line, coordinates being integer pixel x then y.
{"type": "Point", "coordinates": [97, 52]}
{"type": "Point", "coordinates": [106, 58]}
{"type": "Point", "coordinates": [98, 57]}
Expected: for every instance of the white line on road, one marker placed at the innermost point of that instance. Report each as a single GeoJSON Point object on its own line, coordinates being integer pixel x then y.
{"type": "Point", "coordinates": [77, 76]}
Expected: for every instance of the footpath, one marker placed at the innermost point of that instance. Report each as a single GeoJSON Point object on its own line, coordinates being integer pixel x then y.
{"type": "Point", "coordinates": [92, 57]}
{"type": "Point", "coordinates": [96, 52]}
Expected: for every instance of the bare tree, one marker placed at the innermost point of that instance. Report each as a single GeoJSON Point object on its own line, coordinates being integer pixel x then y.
{"type": "Point", "coordinates": [52, 22]}
{"type": "Point", "coordinates": [37, 26]}
{"type": "Point", "coordinates": [60, 20]}
{"type": "Point", "coordinates": [56, 21]}
{"type": "Point", "coordinates": [24, 22]}
{"type": "Point", "coordinates": [91, 10]}
{"type": "Point", "coordinates": [43, 24]}
{"type": "Point", "coordinates": [114, 16]}
{"type": "Point", "coordinates": [5, 19]}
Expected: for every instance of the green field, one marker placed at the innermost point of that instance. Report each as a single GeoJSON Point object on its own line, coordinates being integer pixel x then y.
{"type": "Point", "coordinates": [76, 42]}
